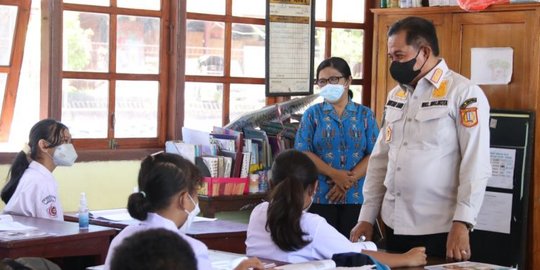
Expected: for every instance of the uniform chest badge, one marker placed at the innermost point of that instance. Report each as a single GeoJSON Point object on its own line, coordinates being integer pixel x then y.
{"type": "Point", "coordinates": [441, 91]}
{"type": "Point", "coordinates": [469, 116]}
{"type": "Point", "coordinates": [388, 134]}
{"type": "Point", "coordinates": [401, 94]}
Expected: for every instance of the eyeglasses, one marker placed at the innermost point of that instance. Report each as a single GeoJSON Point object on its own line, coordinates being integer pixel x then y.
{"type": "Point", "coordinates": [331, 80]}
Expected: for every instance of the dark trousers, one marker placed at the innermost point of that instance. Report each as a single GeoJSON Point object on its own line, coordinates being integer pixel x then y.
{"type": "Point", "coordinates": [435, 243]}
{"type": "Point", "coordinates": [343, 217]}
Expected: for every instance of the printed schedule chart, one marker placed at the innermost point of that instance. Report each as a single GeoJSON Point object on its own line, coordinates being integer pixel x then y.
{"type": "Point", "coordinates": [289, 56]}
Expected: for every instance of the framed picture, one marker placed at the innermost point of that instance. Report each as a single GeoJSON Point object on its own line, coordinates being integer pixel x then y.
{"type": "Point", "coordinates": [290, 28]}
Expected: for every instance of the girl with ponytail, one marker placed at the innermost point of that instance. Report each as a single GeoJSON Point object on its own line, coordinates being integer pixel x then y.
{"type": "Point", "coordinates": [283, 230]}
{"type": "Point", "coordinates": [167, 199]}
{"type": "Point", "coordinates": [31, 189]}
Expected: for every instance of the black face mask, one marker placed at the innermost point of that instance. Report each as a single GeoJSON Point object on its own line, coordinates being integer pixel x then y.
{"type": "Point", "coordinates": [403, 72]}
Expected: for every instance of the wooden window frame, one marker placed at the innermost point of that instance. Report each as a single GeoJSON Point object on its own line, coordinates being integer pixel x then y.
{"type": "Point", "coordinates": [226, 79]}
{"type": "Point", "coordinates": [13, 69]}
{"type": "Point", "coordinates": [169, 115]}
{"type": "Point", "coordinates": [367, 27]}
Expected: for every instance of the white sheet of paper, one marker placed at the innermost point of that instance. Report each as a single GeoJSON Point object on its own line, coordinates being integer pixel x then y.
{"type": "Point", "coordinates": [502, 165]}
{"type": "Point", "coordinates": [15, 226]}
{"type": "Point", "coordinates": [496, 213]}
{"type": "Point", "coordinates": [194, 136]}
{"type": "Point", "coordinates": [491, 65]}
{"type": "Point", "coordinates": [113, 214]}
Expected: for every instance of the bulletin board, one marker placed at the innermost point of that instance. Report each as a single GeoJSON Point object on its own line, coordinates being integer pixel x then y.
{"type": "Point", "coordinates": [290, 28]}
{"type": "Point", "coordinates": [500, 235]}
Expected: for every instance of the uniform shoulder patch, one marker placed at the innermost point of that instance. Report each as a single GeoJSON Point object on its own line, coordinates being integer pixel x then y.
{"type": "Point", "coordinates": [469, 117]}
{"type": "Point", "coordinates": [468, 102]}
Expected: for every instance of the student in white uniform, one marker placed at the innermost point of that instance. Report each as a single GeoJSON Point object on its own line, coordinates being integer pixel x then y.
{"type": "Point", "coordinates": [168, 199]}
{"type": "Point", "coordinates": [31, 189]}
{"type": "Point", "coordinates": [283, 230]}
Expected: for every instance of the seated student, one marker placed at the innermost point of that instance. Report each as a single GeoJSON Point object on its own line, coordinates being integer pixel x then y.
{"type": "Point", "coordinates": [157, 249]}
{"type": "Point", "coordinates": [283, 230]}
{"type": "Point", "coordinates": [168, 199]}
{"type": "Point", "coordinates": [31, 189]}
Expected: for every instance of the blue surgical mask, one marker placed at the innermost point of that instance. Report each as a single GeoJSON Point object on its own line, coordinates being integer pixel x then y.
{"type": "Point", "coordinates": [332, 92]}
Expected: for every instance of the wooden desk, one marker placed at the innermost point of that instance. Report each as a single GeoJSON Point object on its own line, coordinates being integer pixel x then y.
{"type": "Point", "coordinates": [219, 234]}
{"type": "Point", "coordinates": [64, 240]}
{"type": "Point", "coordinates": [211, 205]}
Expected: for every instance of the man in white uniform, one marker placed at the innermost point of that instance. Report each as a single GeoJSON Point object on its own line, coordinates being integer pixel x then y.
{"type": "Point", "coordinates": [429, 169]}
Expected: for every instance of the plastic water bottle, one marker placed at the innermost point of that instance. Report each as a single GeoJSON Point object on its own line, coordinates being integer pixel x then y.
{"type": "Point", "coordinates": [83, 212]}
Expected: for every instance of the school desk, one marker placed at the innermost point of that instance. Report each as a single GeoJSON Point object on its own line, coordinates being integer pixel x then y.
{"type": "Point", "coordinates": [211, 205]}
{"type": "Point", "coordinates": [61, 239]}
{"type": "Point", "coordinates": [217, 234]}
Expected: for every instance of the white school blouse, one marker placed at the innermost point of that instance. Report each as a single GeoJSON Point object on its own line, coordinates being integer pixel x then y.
{"type": "Point", "coordinates": [154, 221]}
{"type": "Point", "coordinates": [325, 239]}
{"type": "Point", "coordinates": [36, 195]}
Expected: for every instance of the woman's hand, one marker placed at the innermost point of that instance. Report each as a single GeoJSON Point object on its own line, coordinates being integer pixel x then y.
{"type": "Point", "coordinates": [343, 179]}
{"type": "Point", "coordinates": [415, 257]}
{"type": "Point", "coordinates": [251, 263]}
{"type": "Point", "coordinates": [335, 194]}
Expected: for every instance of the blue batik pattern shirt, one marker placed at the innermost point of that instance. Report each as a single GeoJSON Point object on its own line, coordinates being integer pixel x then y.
{"type": "Point", "coordinates": [341, 143]}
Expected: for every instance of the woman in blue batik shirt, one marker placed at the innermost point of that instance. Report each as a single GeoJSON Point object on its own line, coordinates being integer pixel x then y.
{"type": "Point", "coordinates": [338, 135]}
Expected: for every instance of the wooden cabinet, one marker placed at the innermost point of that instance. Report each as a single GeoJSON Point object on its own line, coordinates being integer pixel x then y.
{"type": "Point", "coordinates": [516, 26]}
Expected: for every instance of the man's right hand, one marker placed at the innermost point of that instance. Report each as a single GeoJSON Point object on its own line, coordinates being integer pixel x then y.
{"type": "Point", "coordinates": [362, 228]}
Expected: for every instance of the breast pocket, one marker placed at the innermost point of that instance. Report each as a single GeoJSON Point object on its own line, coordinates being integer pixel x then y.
{"type": "Point", "coordinates": [433, 128]}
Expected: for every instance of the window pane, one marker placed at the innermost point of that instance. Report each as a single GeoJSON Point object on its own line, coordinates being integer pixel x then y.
{"type": "Point", "coordinates": [320, 36]}
{"type": "Point", "coordinates": [249, 8]}
{"type": "Point", "coordinates": [248, 50]}
{"type": "Point", "coordinates": [140, 4]}
{"type": "Point", "coordinates": [203, 105]}
{"type": "Point", "coordinates": [8, 18]}
{"type": "Point", "coordinates": [86, 2]}
{"type": "Point", "coordinates": [3, 79]}
{"type": "Point", "coordinates": [86, 41]}
{"type": "Point", "coordinates": [357, 93]}
{"type": "Point", "coordinates": [206, 6]}
{"type": "Point", "coordinates": [246, 98]}
{"type": "Point", "coordinates": [205, 41]}
{"type": "Point", "coordinates": [136, 109]}
{"type": "Point", "coordinates": [348, 11]}
{"type": "Point", "coordinates": [137, 45]}
{"type": "Point", "coordinates": [26, 112]}
{"type": "Point", "coordinates": [85, 106]}
{"type": "Point", "coordinates": [349, 44]}
{"type": "Point", "coordinates": [320, 10]}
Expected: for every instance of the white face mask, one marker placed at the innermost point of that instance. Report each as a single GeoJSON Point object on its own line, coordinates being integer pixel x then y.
{"type": "Point", "coordinates": [64, 155]}
{"type": "Point", "coordinates": [310, 203]}
{"type": "Point", "coordinates": [191, 215]}
{"type": "Point", "coordinates": [332, 92]}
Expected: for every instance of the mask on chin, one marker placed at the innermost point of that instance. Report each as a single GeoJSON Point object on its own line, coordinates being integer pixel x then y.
{"type": "Point", "coordinates": [332, 92]}
{"type": "Point", "coordinates": [191, 216]}
{"type": "Point", "coordinates": [403, 72]}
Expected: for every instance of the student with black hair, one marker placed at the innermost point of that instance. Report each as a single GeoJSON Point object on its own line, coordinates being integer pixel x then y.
{"type": "Point", "coordinates": [157, 249]}
{"type": "Point", "coordinates": [282, 229]}
{"type": "Point", "coordinates": [167, 199]}
{"type": "Point", "coordinates": [31, 189]}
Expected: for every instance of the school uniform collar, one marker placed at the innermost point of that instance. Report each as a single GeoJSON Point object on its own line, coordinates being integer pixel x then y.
{"type": "Point", "coordinates": [435, 75]}
{"type": "Point", "coordinates": [154, 218]}
{"type": "Point", "coordinates": [40, 169]}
